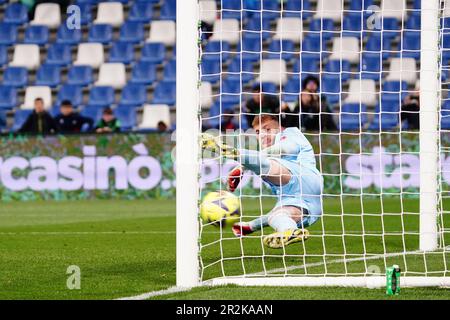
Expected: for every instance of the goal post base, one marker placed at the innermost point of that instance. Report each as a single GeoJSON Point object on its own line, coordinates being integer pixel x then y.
{"type": "Point", "coordinates": [368, 282]}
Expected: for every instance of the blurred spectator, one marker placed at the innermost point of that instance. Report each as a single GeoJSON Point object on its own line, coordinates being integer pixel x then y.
{"type": "Point", "coordinates": [161, 126]}
{"type": "Point", "coordinates": [69, 121]}
{"type": "Point", "coordinates": [228, 121]}
{"type": "Point", "coordinates": [311, 111]}
{"type": "Point", "coordinates": [39, 121]}
{"type": "Point", "coordinates": [261, 103]}
{"type": "Point", "coordinates": [108, 122]}
{"type": "Point", "coordinates": [410, 110]}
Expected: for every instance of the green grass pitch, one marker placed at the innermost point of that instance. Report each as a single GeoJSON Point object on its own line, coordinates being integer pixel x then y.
{"type": "Point", "coordinates": [126, 248]}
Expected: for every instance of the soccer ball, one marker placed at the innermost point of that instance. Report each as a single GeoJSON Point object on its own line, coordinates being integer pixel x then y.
{"type": "Point", "coordinates": [220, 208]}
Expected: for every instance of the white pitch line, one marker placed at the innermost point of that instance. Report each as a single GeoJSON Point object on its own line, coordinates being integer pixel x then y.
{"type": "Point", "coordinates": [151, 294]}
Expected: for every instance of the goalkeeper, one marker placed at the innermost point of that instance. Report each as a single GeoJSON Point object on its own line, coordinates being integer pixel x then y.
{"type": "Point", "coordinates": [287, 164]}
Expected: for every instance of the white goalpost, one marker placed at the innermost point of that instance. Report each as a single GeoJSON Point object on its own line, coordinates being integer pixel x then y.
{"type": "Point", "coordinates": [386, 193]}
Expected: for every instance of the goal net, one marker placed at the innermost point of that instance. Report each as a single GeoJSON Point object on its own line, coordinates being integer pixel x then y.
{"type": "Point", "coordinates": [366, 82]}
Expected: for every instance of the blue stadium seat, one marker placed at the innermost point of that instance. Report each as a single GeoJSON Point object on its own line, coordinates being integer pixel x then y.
{"type": "Point", "coordinates": [352, 25]}
{"type": "Point", "coordinates": [371, 63]}
{"type": "Point", "coordinates": [3, 54]}
{"type": "Point", "coordinates": [210, 70]}
{"type": "Point", "coordinates": [298, 8]}
{"type": "Point", "coordinates": [59, 54]}
{"type": "Point", "coordinates": [36, 35]}
{"type": "Point", "coordinates": [311, 43]}
{"type": "Point", "coordinates": [251, 48]}
{"type": "Point", "coordinates": [80, 75]}
{"type": "Point", "coordinates": [168, 10]}
{"type": "Point", "coordinates": [143, 72]}
{"type": "Point", "coordinates": [411, 44]}
{"type": "Point", "coordinates": [8, 97]}
{"type": "Point", "coordinates": [216, 112]}
{"type": "Point", "coordinates": [101, 96]}
{"type": "Point", "coordinates": [126, 116]}
{"type": "Point", "coordinates": [324, 26]}
{"type": "Point", "coordinates": [232, 9]}
{"type": "Point", "coordinates": [446, 47]}
{"type": "Point", "coordinates": [413, 21]}
{"type": "Point", "coordinates": [170, 70]}
{"type": "Point", "coordinates": [342, 67]}
{"type": "Point", "coordinates": [353, 116]}
{"type": "Point", "coordinates": [216, 49]}
{"type": "Point", "coordinates": [240, 69]}
{"type": "Point", "coordinates": [8, 33]}
{"type": "Point", "coordinates": [94, 112]}
{"type": "Point", "coordinates": [391, 28]}
{"type": "Point", "coordinates": [68, 36]}
{"type": "Point", "coordinates": [132, 31]}
{"type": "Point", "coordinates": [230, 91]}
{"type": "Point", "coordinates": [48, 75]}
{"type": "Point", "coordinates": [16, 13]}
{"type": "Point", "coordinates": [2, 120]}
{"type": "Point", "coordinates": [291, 89]}
{"type": "Point", "coordinates": [153, 52]}
{"type": "Point", "coordinates": [445, 115]}
{"type": "Point", "coordinates": [417, 4]}
{"type": "Point", "coordinates": [20, 116]}
{"type": "Point", "coordinates": [256, 27]}
{"type": "Point", "coordinates": [269, 88]}
{"type": "Point", "coordinates": [386, 115]}
{"type": "Point", "coordinates": [307, 63]}
{"type": "Point", "coordinates": [121, 52]}
{"type": "Point", "coordinates": [359, 5]}
{"type": "Point", "coordinates": [141, 11]}
{"type": "Point", "coordinates": [164, 93]}
{"type": "Point", "coordinates": [15, 77]}
{"type": "Point", "coordinates": [78, 2]}
{"type": "Point", "coordinates": [71, 92]}
{"type": "Point", "coordinates": [377, 43]}
{"type": "Point", "coordinates": [331, 87]}
{"type": "Point", "coordinates": [394, 86]}
{"type": "Point", "coordinates": [270, 8]}
{"type": "Point", "coordinates": [101, 33]}
{"type": "Point", "coordinates": [85, 12]}
{"type": "Point", "coordinates": [285, 48]}
{"type": "Point", "coordinates": [133, 95]}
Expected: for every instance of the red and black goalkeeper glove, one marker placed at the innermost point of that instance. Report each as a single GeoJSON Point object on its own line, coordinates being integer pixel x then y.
{"type": "Point", "coordinates": [234, 178]}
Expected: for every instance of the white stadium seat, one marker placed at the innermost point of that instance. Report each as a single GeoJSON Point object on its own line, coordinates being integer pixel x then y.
{"type": "Point", "coordinates": [362, 91]}
{"type": "Point", "coordinates": [345, 48]}
{"type": "Point", "coordinates": [393, 9]}
{"type": "Point", "coordinates": [329, 9]}
{"type": "Point", "coordinates": [47, 14]}
{"type": "Point", "coordinates": [403, 69]}
{"type": "Point", "coordinates": [289, 29]}
{"type": "Point", "coordinates": [31, 93]}
{"type": "Point", "coordinates": [206, 95]}
{"type": "Point", "coordinates": [446, 13]}
{"type": "Point", "coordinates": [113, 75]}
{"type": "Point", "coordinates": [163, 31]}
{"type": "Point", "coordinates": [90, 54]}
{"type": "Point", "coordinates": [27, 56]}
{"type": "Point", "coordinates": [208, 11]}
{"type": "Point", "coordinates": [110, 13]}
{"type": "Point", "coordinates": [154, 113]}
{"type": "Point", "coordinates": [226, 30]}
{"type": "Point", "coordinates": [273, 70]}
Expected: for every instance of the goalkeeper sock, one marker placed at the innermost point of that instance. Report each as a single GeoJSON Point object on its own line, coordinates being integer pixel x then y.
{"type": "Point", "coordinates": [281, 221]}
{"type": "Point", "coordinates": [255, 161]}
{"type": "Point", "coordinates": [259, 223]}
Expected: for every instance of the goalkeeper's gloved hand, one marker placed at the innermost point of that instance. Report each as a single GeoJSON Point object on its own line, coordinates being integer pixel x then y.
{"type": "Point", "coordinates": [234, 178]}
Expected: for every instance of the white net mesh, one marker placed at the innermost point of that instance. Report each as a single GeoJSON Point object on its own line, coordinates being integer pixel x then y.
{"type": "Point", "coordinates": [346, 73]}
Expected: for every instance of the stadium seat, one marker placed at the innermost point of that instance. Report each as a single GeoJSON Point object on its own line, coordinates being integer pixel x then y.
{"type": "Point", "coordinates": [8, 97]}
{"type": "Point", "coordinates": [26, 55]}
{"type": "Point", "coordinates": [16, 13]}
{"type": "Point", "coordinates": [341, 67]}
{"type": "Point", "coordinates": [122, 52]}
{"type": "Point", "coordinates": [68, 36]}
{"type": "Point", "coordinates": [226, 30]}
{"type": "Point", "coordinates": [208, 11]}
{"type": "Point", "coordinates": [85, 12]}
{"type": "Point", "coordinates": [298, 8]}
{"type": "Point", "coordinates": [345, 48]}
{"type": "Point", "coordinates": [206, 95]}
{"type": "Point", "coordinates": [281, 48]}
{"type": "Point", "coordinates": [384, 120]}
{"type": "Point", "coordinates": [164, 93]}
{"type": "Point", "coordinates": [153, 52]}
{"type": "Point", "coordinates": [48, 75]}
{"type": "Point", "coordinates": [101, 33]}
{"type": "Point", "coordinates": [393, 9]}
{"type": "Point", "coordinates": [110, 13]}
{"type": "Point", "coordinates": [168, 10]}
{"type": "Point", "coordinates": [230, 91]}
{"type": "Point", "coordinates": [413, 21]}
{"type": "Point", "coordinates": [377, 43]}
{"type": "Point", "coordinates": [232, 9]}
{"type": "Point", "coordinates": [133, 95]}
{"type": "Point", "coordinates": [90, 54]}
{"type": "Point", "coordinates": [2, 120]}
{"type": "Point", "coordinates": [101, 96]}
{"type": "Point", "coordinates": [391, 28]}
{"type": "Point", "coordinates": [170, 70]}
{"type": "Point", "coordinates": [59, 54]}
{"type": "Point", "coordinates": [20, 116]}
{"type": "Point", "coordinates": [36, 35]}
{"type": "Point", "coordinates": [256, 27]}
{"type": "Point", "coordinates": [324, 27]}
{"type": "Point", "coordinates": [8, 33]}
{"type": "Point", "coordinates": [394, 86]}
{"type": "Point", "coordinates": [126, 116]}
{"type": "Point", "coordinates": [217, 50]}
{"type": "Point", "coordinates": [353, 116]}
{"type": "Point", "coordinates": [80, 75]}
{"type": "Point", "coordinates": [143, 72]}
{"type": "Point", "coordinates": [71, 92]}
{"type": "Point", "coordinates": [240, 69]}
{"type": "Point", "coordinates": [411, 44]}
{"type": "Point", "coordinates": [162, 32]}
{"type": "Point", "coordinates": [33, 92]}
{"type": "Point", "coordinates": [331, 87]}
{"type": "Point", "coordinates": [329, 10]}
{"type": "Point", "coordinates": [3, 55]}
{"type": "Point", "coordinates": [403, 70]}
{"type": "Point", "coordinates": [291, 89]}
{"type": "Point", "coordinates": [352, 25]}
{"type": "Point", "coordinates": [359, 5]}
{"type": "Point", "coordinates": [141, 11]}
{"type": "Point", "coordinates": [371, 65]}
{"type": "Point", "coordinates": [153, 114]}
{"type": "Point", "coordinates": [15, 77]}
{"type": "Point", "coordinates": [274, 71]}
{"type": "Point", "coordinates": [113, 75]}
{"type": "Point", "coordinates": [289, 29]}
{"type": "Point", "coordinates": [307, 63]}
{"type": "Point", "coordinates": [250, 47]}
{"type": "Point", "coordinates": [210, 70]}
{"type": "Point", "coordinates": [93, 112]}
{"type": "Point", "coordinates": [132, 32]}
{"type": "Point", "coordinates": [311, 43]}
{"type": "Point", "coordinates": [47, 14]}
{"type": "Point", "coordinates": [362, 91]}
